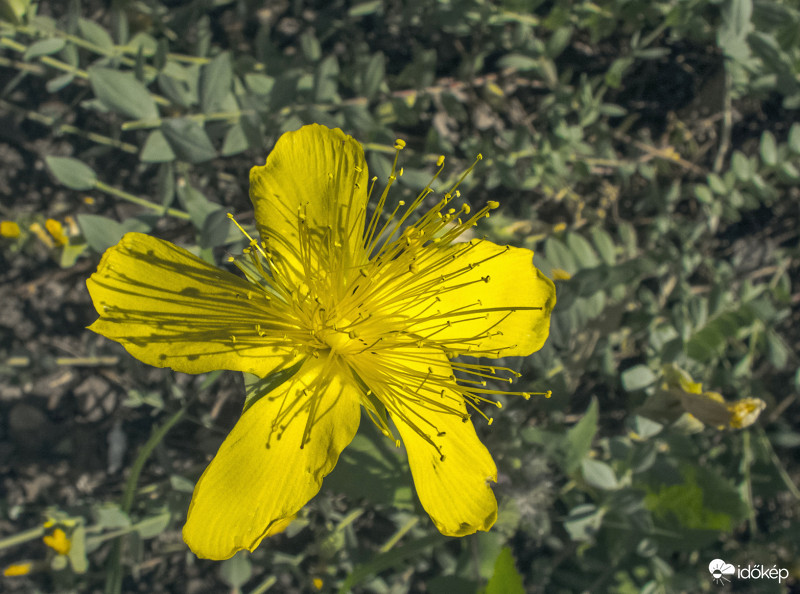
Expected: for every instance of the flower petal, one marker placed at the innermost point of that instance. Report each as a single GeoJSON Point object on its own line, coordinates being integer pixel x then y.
{"type": "Point", "coordinates": [261, 476]}
{"type": "Point", "coordinates": [452, 469]}
{"type": "Point", "coordinates": [169, 308]}
{"type": "Point", "coordinates": [318, 176]}
{"type": "Point", "coordinates": [475, 298]}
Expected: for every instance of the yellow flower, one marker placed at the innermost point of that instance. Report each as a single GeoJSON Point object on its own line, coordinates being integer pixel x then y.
{"type": "Point", "coordinates": [367, 306]}
{"type": "Point", "coordinates": [58, 541]}
{"type": "Point", "coordinates": [18, 569]}
{"type": "Point", "coordinates": [9, 229]}
{"type": "Point", "coordinates": [56, 229]}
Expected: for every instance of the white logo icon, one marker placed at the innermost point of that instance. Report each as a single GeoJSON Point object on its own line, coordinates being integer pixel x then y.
{"type": "Point", "coordinates": [719, 569]}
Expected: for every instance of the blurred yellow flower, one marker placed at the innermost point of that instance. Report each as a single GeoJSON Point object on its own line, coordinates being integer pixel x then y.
{"type": "Point", "coordinates": [560, 274]}
{"type": "Point", "coordinates": [18, 569]}
{"type": "Point", "coordinates": [58, 541]}
{"type": "Point", "coordinates": [56, 229]}
{"type": "Point", "coordinates": [9, 229]}
{"type": "Point", "coordinates": [39, 231]}
{"type": "Point", "coordinates": [363, 308]}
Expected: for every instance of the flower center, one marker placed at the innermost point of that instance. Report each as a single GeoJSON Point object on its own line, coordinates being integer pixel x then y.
{"type": "Point", "coordinates": [339, 341]}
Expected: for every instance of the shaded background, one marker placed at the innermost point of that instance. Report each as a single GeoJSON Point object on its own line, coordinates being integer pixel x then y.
{"type": "Point", "coordinates": [646, 151]}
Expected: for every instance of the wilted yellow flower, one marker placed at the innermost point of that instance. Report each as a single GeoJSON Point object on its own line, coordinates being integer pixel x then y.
{"type": "Point", "coordinates": [363, 308]}
{"type": "Point", "coordinates": [679, 395]}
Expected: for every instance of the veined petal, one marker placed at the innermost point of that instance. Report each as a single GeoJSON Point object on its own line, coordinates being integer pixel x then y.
{"type": "Point", "coordinates": [169, 308]}
{"type": "Point", "coordinates": [264, 472]}
{"type": "Point", "coordinates": [452, 469]}
{"type": "Point", "coordinates": [475, 298]}
{"type": "Point", "coordinates": [310, 202]}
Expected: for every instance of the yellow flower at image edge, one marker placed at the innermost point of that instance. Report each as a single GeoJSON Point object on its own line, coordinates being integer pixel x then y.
{"type": "Point", "coordinates": [370, 306]}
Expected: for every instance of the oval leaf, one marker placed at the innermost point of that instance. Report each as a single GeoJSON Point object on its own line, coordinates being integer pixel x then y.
{"type": "Point", "coordinates": [123, 93]}
{"type": "Point", "coordinates": [72, 173]}
{"type": "Point", "coordinates": [189, 140]}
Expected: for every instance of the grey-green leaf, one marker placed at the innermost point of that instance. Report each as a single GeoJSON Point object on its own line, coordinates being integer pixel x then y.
{"type": "Point", "coordinates": [72, 173]}
{"type": "Point", "coordinates": [189, 140]}
{"type": "Point", "coordinates": [215, 82]}
{"type": "Point", "coordinates": [123, 93]}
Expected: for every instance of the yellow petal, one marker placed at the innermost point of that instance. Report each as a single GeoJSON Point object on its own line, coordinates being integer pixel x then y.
{"type": "Point", "coordinates": [455, 491]}
{"type": "Point", "coordinates": [319, 176]}
{"type": "Point", "coordinates": [477, 298]}
{"type": "Point", "coordinates": [452, 469]}
{"type": "Point", "coordinates": [261, 476]}
{"type": "Point", "coordinates": [169, 308]}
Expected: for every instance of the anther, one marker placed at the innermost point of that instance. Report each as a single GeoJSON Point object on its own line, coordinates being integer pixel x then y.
{"type": "Point", "coordinates": [399, 144]}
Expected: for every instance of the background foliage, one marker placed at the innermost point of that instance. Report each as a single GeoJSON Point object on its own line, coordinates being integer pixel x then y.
{"type": "Point", "coordinates": [644, 149]}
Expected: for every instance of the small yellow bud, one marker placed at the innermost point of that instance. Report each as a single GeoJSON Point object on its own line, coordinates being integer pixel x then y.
{"type": "Point", "coordinates": [18, 569]}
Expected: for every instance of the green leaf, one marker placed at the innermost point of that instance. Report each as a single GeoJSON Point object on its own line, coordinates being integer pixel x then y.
{"type": "Point", "coordinates": [794, 138]}
{"type": "Point", "coordinates": [259, 84]}
{"type": "Point", "coordinates": [310, 46]}
{"type": "Point", "coordinates": [72, 173]}
{"type": "Point", "coordinates": [579, 438]}
{"type": "Point", "coordinates": [101, 232]}
{"type": "Point", "coordinates": [703, 194]}
{"type": "Point", "coordinates": [389, 559]}
{"type": "Point", "coordinates": [716, 184]}
{"type": "Point", "coordinates": [123, 93]}
{"type": "Point", "coordinates": [56, 84]}
{"type": "Point", "coordinates": [599, 474]}
{"type": "Point", "coordinates": [326, 81]}
{"type": "Point", "coordinates": [768, 149]}
{"type": "Point", "coordinates": [156, 149]}
{"type": "Point", "coordinates": [237, 570]}
{"type": "Point", "coordinates": [617, 71]}
{"type": "Point", "coordinates": [196, 204]}
{"type": "Point", "coordinates": [94, 33]}
{"type": "Point", "coordinates": [505, 579]}
{"type": "Point", "coordinates": [582, 250]}
{"type": "Point", "coordinates": [215, 82]}
{"type": "Point", "coordinates": [605, 245]}
{"type": "Point", "coordinates": [711, 339]}
{"type": "Point", "coordinates": [189, 140]}
{"type": "Point", "coordinates": [584, 521]}
{"type": "Point", "coordinates": [235, 141]}
{"type": "Point", "coordinates": [559, 255]}
{"type": "Point", "coordinates": [637, 377]}
{"type": "Point", "coordinates": [13, 10]}
{"type": "Point", "coordinates": [45, 47]}
{"type": "Point", "coordinates": [152, 526]}
{"type": "Point", "coordinates": [77, 550]}
{"type": "Point", "coordinates": [216, 230]}
{"type": "Point", "coordinates": [374, 75]}
{"type": "Point", "coordinates": [365, 8]}
{"type": "Point", "coordinates": [519, 62]}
